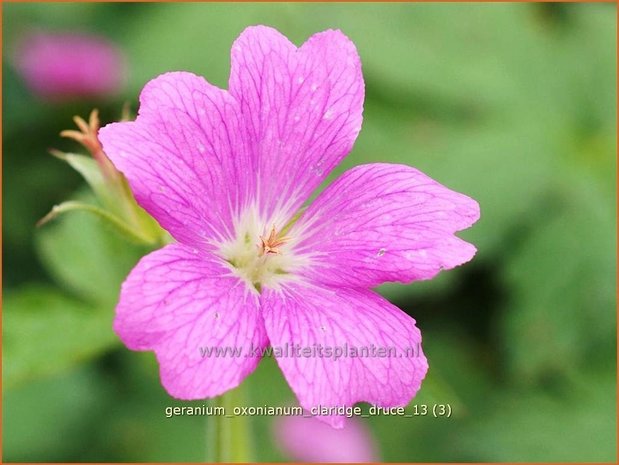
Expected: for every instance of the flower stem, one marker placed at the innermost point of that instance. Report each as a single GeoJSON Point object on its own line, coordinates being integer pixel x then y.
{"type": "Point", "coordinates": [229, 435]}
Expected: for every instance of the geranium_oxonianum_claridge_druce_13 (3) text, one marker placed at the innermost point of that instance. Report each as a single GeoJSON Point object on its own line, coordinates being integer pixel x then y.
{"type": "Point", "coordinates": [227, 174]}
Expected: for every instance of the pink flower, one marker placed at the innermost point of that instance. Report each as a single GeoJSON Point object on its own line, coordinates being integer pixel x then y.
{"type": "Point", "coordinates": [310, 440]}
{"type": "Point", "coordinates": [61, 66]}
{"type": "Point", "coordinates": [226, 173]}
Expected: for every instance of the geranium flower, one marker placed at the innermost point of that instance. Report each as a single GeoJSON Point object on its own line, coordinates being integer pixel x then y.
{"type": "Point", "coordinates": [226, 173]}
{"type": "Point", "coordinates": [309, 440]}
{"type": "Point", "coordinates": [58, 66]}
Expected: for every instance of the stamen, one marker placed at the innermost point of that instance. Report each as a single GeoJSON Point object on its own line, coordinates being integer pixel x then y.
{"type": "Point", "coordinates": [261, 253]}
{"type": "Point", "coordinates": [271, 244]}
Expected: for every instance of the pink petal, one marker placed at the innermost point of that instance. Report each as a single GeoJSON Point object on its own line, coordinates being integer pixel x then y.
{"type": "Point", "coordinates": [340, 319]}
{"type": "Point", "coordinates": [184, 157]}
{"type": "Point", "coordinates": [65, 65]}
{"type": "Point", "coordinates": [177, 301]}
{"type": "Point", "coordinates": [303, 108]}
{"type": "Point", "coordinates": [310, 440]}
{"type": "Point", "coordinates": [384, 222]}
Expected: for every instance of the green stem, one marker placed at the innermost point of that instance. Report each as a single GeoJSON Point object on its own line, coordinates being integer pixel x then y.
{"type": "Point", "coordinates": [229, 435]}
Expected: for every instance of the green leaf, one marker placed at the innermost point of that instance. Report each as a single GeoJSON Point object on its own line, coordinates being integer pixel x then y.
{"type": "Point", "coordinates": [562, 277]}
{"type": "Point", "coordinates": [90, 171]}
{"type": "Point", "coordinates": [119, 225]}
{"type": "Point", "coordinates": [114, 195]}
{"type": "Point", "coordinates": [45, 420]}
{"type": "Point", "coordinates": [532, 426]}
{"type": "Point", "coordinates": [86, 256]}
{"type": "Point", "coordinates": [45, 332]}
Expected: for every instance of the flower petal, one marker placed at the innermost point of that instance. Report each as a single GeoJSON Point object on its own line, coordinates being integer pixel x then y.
{"type": "Point", "coordinates": [384, 222]}
{"type": "Point", "coordinates": [343, 320]}
{"type": "Point", "coordinates": [184, 157]}
{"type": "Point", "coordinates": [180, 303]}
{"type": "Point", "coordinates": [303, 108]}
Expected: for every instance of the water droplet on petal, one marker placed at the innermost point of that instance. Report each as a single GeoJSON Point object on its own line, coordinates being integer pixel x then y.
{"type": "Point", "coordinates": [314, 87]}
{"type": "Point", "coordinates": [317, 170]}
{"type": "Point", "coordinates": [381, 252]}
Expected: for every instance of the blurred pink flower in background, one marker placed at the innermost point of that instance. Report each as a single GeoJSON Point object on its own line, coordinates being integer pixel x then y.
{"type": "Point", "coordinates": [310, 440]}
{"type": "Point", "coordinates": [59, 66]}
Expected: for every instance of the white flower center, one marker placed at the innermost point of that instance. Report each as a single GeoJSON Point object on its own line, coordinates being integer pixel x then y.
{"type": "Point", "coordinates": [261, 253]}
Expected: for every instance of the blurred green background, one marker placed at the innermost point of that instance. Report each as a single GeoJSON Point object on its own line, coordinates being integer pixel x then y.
{"type": "Point", "coordinates": [512, 104]}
